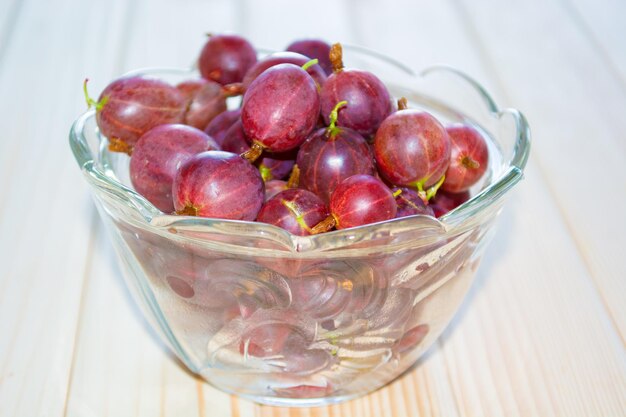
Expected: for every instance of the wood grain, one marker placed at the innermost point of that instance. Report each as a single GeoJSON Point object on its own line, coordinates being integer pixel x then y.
{"type": "Point", "coordinates": [566, 149]}
{"type": "Point", "coordinates": [542, 331]}
{"type": "Point", "coordinates": [45, 213]}
{"type": "Point", "coordinates": [603, 25]}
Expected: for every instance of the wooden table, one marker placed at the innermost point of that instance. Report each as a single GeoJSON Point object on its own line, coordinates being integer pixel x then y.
{"type": "Point", "coordinates": [542, 332]}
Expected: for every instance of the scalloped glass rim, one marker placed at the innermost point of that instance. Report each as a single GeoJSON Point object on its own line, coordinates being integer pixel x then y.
{"type": "Point", "coordinates": [452, 222]}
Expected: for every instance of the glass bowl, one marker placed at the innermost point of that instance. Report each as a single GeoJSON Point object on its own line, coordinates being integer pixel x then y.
{"type": "Point", "coordinates": [289, 320]}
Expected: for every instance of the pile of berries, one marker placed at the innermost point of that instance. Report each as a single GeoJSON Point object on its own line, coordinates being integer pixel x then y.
{"type": "Point", "coordinates": [313, 145]}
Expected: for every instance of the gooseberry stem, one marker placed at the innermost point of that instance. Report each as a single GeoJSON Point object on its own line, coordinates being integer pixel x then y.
{"type": "Point", "coordinates": [119, 145]}
{"type": "Point", "coordinates": [188, 210]}
{"type": "Point", "coordinates": [309, 64]}
{"type": "Point", "coordinates": [254, 152]}
{"type": "Point", "coordinates": [294, 178]}
{"type": "Point", "coordinates": [91, 102]}
{"type": "Point", "coordinates": [334, 114]}
{"type": "Point", "coordinates": [420, 190]}
{"type": "Point", "coordinates": [432, 191]}
{"type": "Point", "coordinates": [470, 163]}
{"type": "Point", "coordinates": [403, 103]}
{"type": "Point", "coordinates": [336, 57]}
{"type": "Point", "coordinates": [325, 225]}
{"type": "Point", "coordinates": [397, 192]}
{"type": "Point", "coordinates": [232, 90]}
{"type": "Point", "coordinates": [265, 172]}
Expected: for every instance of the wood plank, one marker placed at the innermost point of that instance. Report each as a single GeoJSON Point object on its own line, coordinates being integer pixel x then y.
{"type": "Point", "coordinates": [603, 25]}
{"type": "Point", "coordinates": [485, 357]}
{"type": "Point", "coordinates": [500, 357]}
{"type": "Point", "coordinates": [274, 25]}
{"type": "Point", "coordinates": [151, 44]}
{"type": "Point", "coordinates": [9, 19]}
{"type": "Point", "coordinates": [45, 222]}
{"type": "Point", "coordinates": [420, 37]}
{"type": "Point", "coordinates": [573, 132]}
{"type": "Point", "coordinates": [535, 333]}
{"type": "Point", "coordinates": [122, 368]}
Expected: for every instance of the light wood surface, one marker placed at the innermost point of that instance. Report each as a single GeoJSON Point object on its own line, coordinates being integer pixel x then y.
{"type": "Point", "coordinates": [543, 329]}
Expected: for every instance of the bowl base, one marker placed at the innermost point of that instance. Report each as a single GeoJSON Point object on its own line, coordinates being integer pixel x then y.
{"type": "Point", "coordinates": [299, 402]}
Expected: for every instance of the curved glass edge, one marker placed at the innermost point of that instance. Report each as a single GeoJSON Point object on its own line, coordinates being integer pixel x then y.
{"type": "Point", "coordinates": [516, 163]}
{"type": "Point", "coordinates": [86, 162]}
{"type": "Point", "coordinates": [387, 59]}
{"type": "Point", "coordinates": [452, 222]}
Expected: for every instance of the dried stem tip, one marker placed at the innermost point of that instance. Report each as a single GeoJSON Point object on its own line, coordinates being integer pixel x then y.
{"type": "Point", "coordinates": [294, 178]}
{"type": "Point", "coordinates": [325, 225]}
{"type": "Point", "coordinates": [119, 145]}
{"type": "Point", "coordinates": [336, 57]}
{"type": "Point", "coordinates": [254, 152]}
{"type": "Point", "coordinates": [403, 103]}
{"type": "Point", "coordinates": [469, 162]}
{"type": "Point", "coordinates": [188, 210]}
{"type": "Point", "coordinates": [432, 191]}
{"type": "Point", "coordinates": [231, 90]}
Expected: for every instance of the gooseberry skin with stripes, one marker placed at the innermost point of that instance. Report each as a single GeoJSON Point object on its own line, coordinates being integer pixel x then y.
{"type": "Point", "coordinates": [314, 49]}
{"type": "Point", "coordinates": [271, 165]}
{"type": "Point", "coordinates": [226, 58]}
{"type": "Point", "coordinates": [469, 158]}
{"type": "Point", "coordinates": [190, 87]}
{"type": "Point", "coordinates": [360, 200]}
{"type": "Point", "coordinates": [315, 71]}
{"type": "Point", "coordinates": [280, 108]}
{"type": "Point", "coordinates": [273, 187]}
{"type": "Point", "coordinates": [412, 149]}
{"type": "Point", "coordinates": [327, 158]}
{"type": "Point", "coordinates": [157, 156]}
{"type": "Point", "coordinates": [444, 201]}
{"type": "Point", "coordinates": [205, 104]}
{"type": "Point", "coordinates": [218, 127]}
{"type": "Point", "coordinates": [130, 106]}
{"type": "Point", "coordinates": [218, 184]}
{"type": "Point", "coordinates": [368, 100]}
{"type": "Point", "coordinates": [295, 210]}
{"type": "Point", "coordinates": [410, 203]}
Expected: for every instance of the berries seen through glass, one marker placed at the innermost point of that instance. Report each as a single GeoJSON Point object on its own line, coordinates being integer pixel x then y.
{"type": "Point", "coordinates": [294, 210]}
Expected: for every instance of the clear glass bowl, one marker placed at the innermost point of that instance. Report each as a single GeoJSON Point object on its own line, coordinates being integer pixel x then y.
{"type": "Point", "coordinates": [289, 320]}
